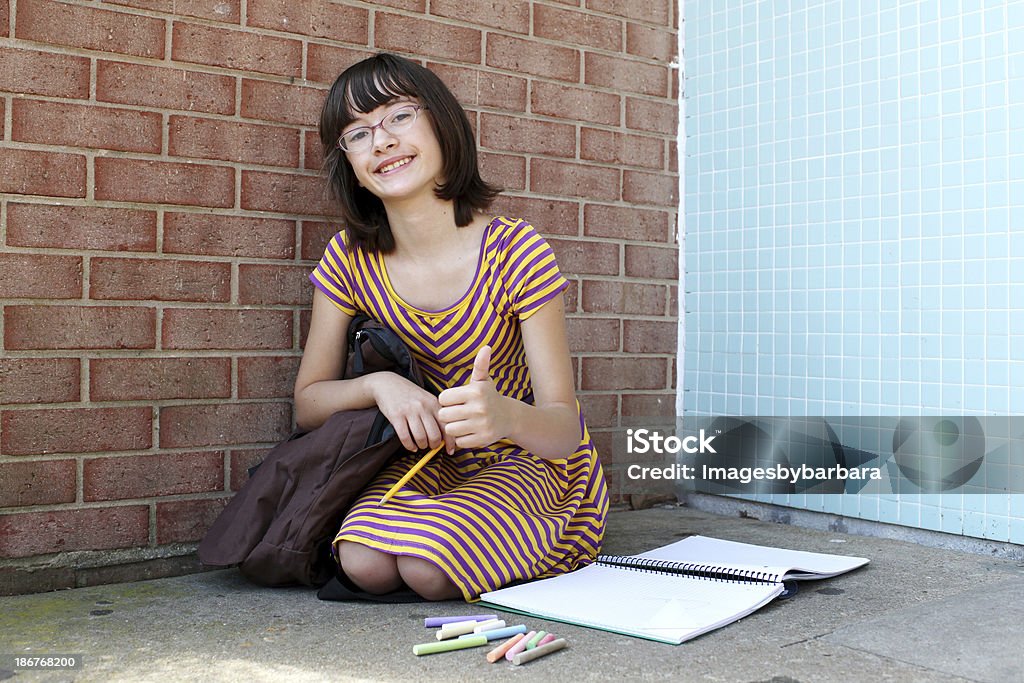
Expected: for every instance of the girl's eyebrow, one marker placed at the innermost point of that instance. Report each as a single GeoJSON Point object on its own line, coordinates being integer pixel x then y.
{"type": "Point", "coordinates": [362, 118]}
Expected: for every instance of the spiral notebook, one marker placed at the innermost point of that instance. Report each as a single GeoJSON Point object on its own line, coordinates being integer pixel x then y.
{"type": "Point", "coordinates": [673, 593]}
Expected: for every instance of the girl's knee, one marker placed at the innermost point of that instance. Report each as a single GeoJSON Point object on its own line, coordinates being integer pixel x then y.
{"type": "Point", "coordinates": [427, 580]}
{"type": "Point", "coordinates": [371, 570]}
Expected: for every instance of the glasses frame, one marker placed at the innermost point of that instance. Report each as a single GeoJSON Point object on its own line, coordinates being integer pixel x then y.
{"type": "Point", "coordinates": [340, 144]}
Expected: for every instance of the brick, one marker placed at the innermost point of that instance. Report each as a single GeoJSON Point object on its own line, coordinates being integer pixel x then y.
{"type": "Point", "coordinates": [582, 28]}
{"type": "Point", "coordinates": [313, 152]}
{"type": "Point", "coordinates": [549, 216]}
{"type": "Point", "coordinates": [162, 182]}
{"type": "Point", "coordinates": [286, 193]}
{"type": "Point", "coordinates": [625, 222]}
{"type": "Point", "coordinates": [143, 570]}
{"type": "Point", "coordinates": [324, 63]}
{"type": "Point", "coordinates": [233, 141]}
{"type": "Point", "coordinates": [525, 56]}
{"type": "Point", "coordinates": [505, 170]}
{"type": "Point", "coordinates": [593, 334]}
{"type": "Point", "coordinates": [80, 227]}
{"type": "Point", "coordinates": [621, 149]}
{"type": "Point", "coordinates": [649, 336]}
{"type": "Point", "coordinates": [270, 284]}
{"type": "Point", "coordinates": [649, 405]}
{"type": "Point", "coordinates": [282, 103]}
{"type": "Point", "coordinates": [45, 482]}
{"type": "Point", "coordinates": [5, 21]}
{"type": "Point", "coordinates": [571, 295]}
{"type": "Point", "coordinates": [267, 376]}
{"type": "Point", "coordinates": [582, 104]}
{"type": "Point", "coordinates": [427, 38]}
{"type": "Point", "coordinates": [578, 256]}
{"type": "Point", "coordinates": [91, 28]}
{"type": "Point", "coordinates": [315, 237]}
{"type": "Point", "coordinates": [624, 372]}
{"type": "Point", "coordinates": [223, 424]}
{"type": "Point", "coordinates": [652, 262]}
{"type": "Point", "coordinates": [42, 533]}
{"type": "Point", "coordinates": [658, 189]}
{"type": "Point", "coordinates": [79, 327]}
{"type": "Point", "coordinates": [217, 235]}
{"type": "Point", "coordinates": [75, 125]}
{"type": "Point", "coordinates": [600, 410]}
{"type": "Point", "coordinates": [241, 50]}
{"type": "Point", "coordinates": [653, 11]}
{"type": "Point", "coordinates": [618, 296]}
{"type": "Point", "coordinates": [186, 521]}
{"type": "Point", "coordinates": [625, 75]}
{"type": "Point", "coordinates": [37, 276]}
{"type": "Point", "coordinates": [227, 11]}
{"type": "Point", "coordinates": [548, 176]}
{"type": "Point", "coordinates": [75, 430]}
{"type": "Point", "coordinates": [31, 72]}
{"type": "Point", "coordinates": [528, 136]}
{"type": "Point", "coordinates": [159, 280]}
{"type": "Point", "coordinates": [476, 87]}
{"type": "Point", "coordinates": [146, 476]}
{"type": "Point", "coordinates": [512, 16]}
{"type": "Point", "coordinates": [316, 18]}
{"type": "Point", "coordinates": [241, 461]}
{"type": "Point", "coordinates": [164, 88]}
{"type": "Point", "coordinates": [653, 116]}
{"type": "Point", "coordinates": [417, 6]}
{"type": "Point", "coordinates": [156, 379]}
{"type": "Point", "coordinates": [39, 380]}
{"type": "Point", "coordinates": [186, 328]}
{"type": "Point", "coordinates": [305, 316]}
{"type": "Point", "coordinates": [673, 157]}
{"type": "Point", "coordinates": [52, 174]}
{"type": "Point", "coordinates": [651, 42]}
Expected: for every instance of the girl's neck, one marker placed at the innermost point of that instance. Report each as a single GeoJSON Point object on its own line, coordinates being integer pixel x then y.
{"type": "Point", "coordinates": [422, 229]}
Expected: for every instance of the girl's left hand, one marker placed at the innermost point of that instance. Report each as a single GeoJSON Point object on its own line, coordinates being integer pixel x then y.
{"type": "Point", "coordinates": [475, 415]}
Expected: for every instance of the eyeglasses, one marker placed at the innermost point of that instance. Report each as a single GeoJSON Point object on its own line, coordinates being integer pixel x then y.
{"type": "Point", "coordinates": [397, 122]}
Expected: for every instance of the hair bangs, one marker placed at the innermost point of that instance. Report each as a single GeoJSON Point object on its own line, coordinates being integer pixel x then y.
{"type": "Point", "coordinates": [378, 83]}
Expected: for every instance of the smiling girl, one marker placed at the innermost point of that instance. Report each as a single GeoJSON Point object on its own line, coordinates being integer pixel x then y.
{"type": "Point", "coordinates": [517, 491]}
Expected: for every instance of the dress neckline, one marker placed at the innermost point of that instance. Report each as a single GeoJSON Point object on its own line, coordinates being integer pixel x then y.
{"type": "Point", "coordinates": [461, 301]}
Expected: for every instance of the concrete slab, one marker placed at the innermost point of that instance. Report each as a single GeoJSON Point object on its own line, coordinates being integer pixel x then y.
{"type": "Point", "coordinates": [217, 627]}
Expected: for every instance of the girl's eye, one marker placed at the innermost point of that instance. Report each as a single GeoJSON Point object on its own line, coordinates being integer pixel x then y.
{"type": "Point", "coordinates": [402, 116]}
{"type": "Point", "coordinates": [356, 135]}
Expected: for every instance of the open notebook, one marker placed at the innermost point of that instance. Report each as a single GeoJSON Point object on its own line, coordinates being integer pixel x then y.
{"type": "Point", "coordinates": [670, 594]}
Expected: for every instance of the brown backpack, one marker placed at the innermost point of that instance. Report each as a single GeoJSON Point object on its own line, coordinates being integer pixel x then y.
{"type": "Point", "coordinates": [279, 527]}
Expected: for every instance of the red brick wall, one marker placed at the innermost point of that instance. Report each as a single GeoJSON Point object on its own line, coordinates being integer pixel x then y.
{"type": "Point", "coordinates": [161, 208]}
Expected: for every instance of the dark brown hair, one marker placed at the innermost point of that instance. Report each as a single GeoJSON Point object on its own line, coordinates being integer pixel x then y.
{"type": "Point", "coordinates": [376, 81]}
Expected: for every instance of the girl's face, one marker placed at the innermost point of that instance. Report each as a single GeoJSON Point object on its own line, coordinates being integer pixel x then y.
{"type": "Point", "coordinates": [397, 166]}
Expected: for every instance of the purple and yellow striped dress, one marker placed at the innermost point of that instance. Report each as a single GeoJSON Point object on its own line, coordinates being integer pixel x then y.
{"type": "Point", "coordinates": [489, 516]}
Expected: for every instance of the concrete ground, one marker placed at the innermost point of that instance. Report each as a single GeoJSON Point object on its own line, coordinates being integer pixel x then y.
{"type": "Point", "coordinates": [913, 614]}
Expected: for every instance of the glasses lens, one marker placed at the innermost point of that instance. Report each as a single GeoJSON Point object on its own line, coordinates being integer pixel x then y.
{"type": "Point", "coordinates": [355, 140]}
{"type": "Point", "coordinates": [400, 119]}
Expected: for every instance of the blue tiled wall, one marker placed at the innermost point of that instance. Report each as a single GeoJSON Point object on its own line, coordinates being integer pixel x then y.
{"type": "Point", "coordinates": [854, 221]}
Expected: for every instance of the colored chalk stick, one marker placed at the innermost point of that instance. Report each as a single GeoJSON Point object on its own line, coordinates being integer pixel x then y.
{"type": "Point", "coordinates": [536, 639]}
{"type": "Point", "coordinates": [499, 652]}
{"type": "Point", "coordinates": [489, 625]}
{"type": "Point", "coordinates": [456, 629]}
{"type": "Point", "coordinates": [434, 622]}
{"type": "Point", "coordinates": [546, 639]}
{"type": "Point", "coordinates": [499, 633]}
{"type": "Point", "coordinates": [535, 653]}
{"type": "Point", "coordinates": [448, 645]}
{"type": "Point", "coordinates": [520, 646]}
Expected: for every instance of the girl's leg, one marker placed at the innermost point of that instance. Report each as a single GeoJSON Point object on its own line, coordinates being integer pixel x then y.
{"type": "Point", "coordinates": [427, 580]}
{"type": "Point", "coordinates": [373, 571]}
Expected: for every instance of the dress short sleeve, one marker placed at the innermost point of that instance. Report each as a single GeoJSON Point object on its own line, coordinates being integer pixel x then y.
{"type": "Point", "coordinates": [333, 275]}
{"type": "Point", "coordinates": [531, 273]}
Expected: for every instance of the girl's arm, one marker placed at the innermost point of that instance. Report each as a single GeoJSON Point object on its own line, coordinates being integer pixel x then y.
{"type": "Point", "coordinates": [320, 392]}
{"type": "Point", "coordinates": [476, 415]}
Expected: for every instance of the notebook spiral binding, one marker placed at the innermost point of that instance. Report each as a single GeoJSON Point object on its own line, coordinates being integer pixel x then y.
{"type": "Point", "coordinates": [704, 571]}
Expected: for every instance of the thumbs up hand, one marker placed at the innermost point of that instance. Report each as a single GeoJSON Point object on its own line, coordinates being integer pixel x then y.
{"type": "Point", "coordinates": [474, 415]}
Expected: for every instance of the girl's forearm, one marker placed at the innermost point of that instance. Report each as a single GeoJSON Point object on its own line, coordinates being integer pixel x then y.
{"type": "Point", "coordinates": [549, 431]}
{"type": "Point", "coordinates": [318, 401]}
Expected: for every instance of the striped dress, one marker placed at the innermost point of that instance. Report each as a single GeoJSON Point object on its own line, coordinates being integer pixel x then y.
{"type": "Point", "coordinates": [489, 516]}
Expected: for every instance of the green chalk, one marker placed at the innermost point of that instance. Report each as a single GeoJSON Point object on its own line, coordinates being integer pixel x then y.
{"type": "Point", "coordinates": [449, 645]}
